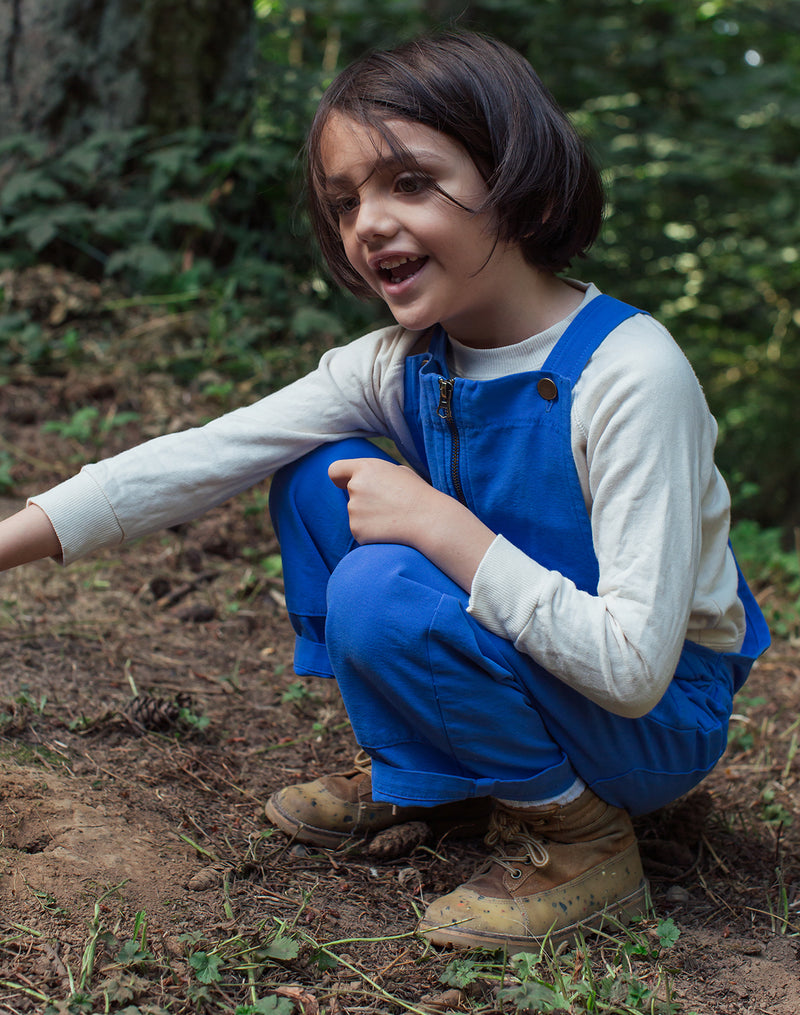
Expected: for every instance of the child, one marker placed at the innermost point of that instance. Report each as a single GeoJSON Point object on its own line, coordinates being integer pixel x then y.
{"type": "Point", "coordinates": [539, 614]}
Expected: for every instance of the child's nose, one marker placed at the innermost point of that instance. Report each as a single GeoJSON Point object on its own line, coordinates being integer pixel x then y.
{"type": "Point", "coordinates": [375, 219]}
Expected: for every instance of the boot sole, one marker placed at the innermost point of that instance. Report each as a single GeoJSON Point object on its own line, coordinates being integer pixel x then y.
{"type": "Point", "coordinates": [329, 839]}
{"type": "Point", "coordinates": [302, 832]}
{"type": "Point", "coordinates": [616, 914]}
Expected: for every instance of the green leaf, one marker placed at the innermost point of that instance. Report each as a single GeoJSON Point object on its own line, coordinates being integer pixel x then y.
{"type": "Point", "coordinates": [31, 184]}
{"type": "Point", "coordinates": [534, 995]}
{"type": "Point", "coordinates": [461, 972]}
{"type": "Point", "coordinates": [282, 948]}
{"type": "Point", "coordinates": [120, 223]}
{"type": "Point", "coordinates": [525, 964]}
{"type": "Point", "coordinates": [41, 233]}
{"type": "Point", "coordinates": [308, 321]}
{"type": "Point", "coordinates": [324, 960]}
{"type": "Point", "coordinates": [183, 213]}
{"type": "Point", "coordinates": [25, 144]}
{"type": "Point", "coordinates": [206, 966]}
{"type": "Point", "coordinates": [668, 932]}
{"type": "Point", "coordinates": [131, 952]}
{"type": "Point", "coordinates": [144, 259]}
{"type": "Point", "coordinates": [272, 1005]}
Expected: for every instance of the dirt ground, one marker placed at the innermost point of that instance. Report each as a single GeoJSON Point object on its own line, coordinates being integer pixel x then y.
{"type": "Point", "coordinates": [148, 707]}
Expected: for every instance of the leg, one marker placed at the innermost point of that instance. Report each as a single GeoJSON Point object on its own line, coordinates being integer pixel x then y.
{"type": "Point", "coordinates": [430, 692]}
{"type": "Point", "coordinates": [448, 710]}
{"type": "Point", "coordinates": [309, 515]}
{"type": "Point", "coordinates": [429, 696]}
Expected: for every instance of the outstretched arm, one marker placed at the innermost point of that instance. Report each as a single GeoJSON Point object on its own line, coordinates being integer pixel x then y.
{"type": "Point", "coordinates": [26, 536]}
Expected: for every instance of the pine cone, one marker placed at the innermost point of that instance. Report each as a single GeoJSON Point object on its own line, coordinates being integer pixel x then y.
{"type": "Point", "coordinates": [398, 840]}
{"type": "Point", "coordinates": [156, 713]}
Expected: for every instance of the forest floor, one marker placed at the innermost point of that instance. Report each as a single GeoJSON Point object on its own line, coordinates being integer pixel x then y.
{"type": "Point", "coordinates": [148, 708]}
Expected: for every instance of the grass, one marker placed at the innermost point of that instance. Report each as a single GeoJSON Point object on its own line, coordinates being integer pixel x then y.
{"type": "Point", "coordinates": [278, 967]}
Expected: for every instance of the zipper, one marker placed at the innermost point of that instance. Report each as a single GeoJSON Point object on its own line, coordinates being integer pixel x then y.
{"type": "Point", "coordinates": [444, 410]}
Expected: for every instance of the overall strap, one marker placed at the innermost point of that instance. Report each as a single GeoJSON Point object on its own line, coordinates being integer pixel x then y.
{"type": "Point", "coordinates": [591, 325]}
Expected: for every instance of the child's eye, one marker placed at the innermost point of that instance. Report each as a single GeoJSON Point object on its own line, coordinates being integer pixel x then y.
{"type": "Point", "coordinates": [344, 205]}
{"type": "Point", "coordinates": [412, 184]}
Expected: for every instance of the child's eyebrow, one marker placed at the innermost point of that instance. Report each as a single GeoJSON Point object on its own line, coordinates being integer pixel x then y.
{"type": "Point", "coordinates": [414, 160]}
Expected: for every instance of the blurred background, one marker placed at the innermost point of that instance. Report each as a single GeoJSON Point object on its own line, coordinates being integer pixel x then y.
{"type": "Point", "coordinates": [155, 146]}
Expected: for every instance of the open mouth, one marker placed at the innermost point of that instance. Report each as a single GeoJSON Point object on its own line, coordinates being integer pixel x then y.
{"type": "Point", "coordinates": [398, 269]}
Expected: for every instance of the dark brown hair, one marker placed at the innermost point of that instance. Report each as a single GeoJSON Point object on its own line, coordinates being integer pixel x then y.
{"type": "Point", "coordinates": [544, 190]}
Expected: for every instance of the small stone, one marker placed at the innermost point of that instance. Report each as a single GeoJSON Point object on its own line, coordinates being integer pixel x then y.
{"type": "Point", "coordinates": [196, 613]}
{"type": "Point", "coordinates": [677, 895]}
{"type": "Point", "coordinates": [450, 1000]}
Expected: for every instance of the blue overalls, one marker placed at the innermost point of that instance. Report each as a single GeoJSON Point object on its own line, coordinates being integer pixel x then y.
{"type": "Point", "coordinates": [446, 709]}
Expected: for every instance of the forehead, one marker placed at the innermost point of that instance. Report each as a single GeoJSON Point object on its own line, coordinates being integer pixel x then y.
{"type": "Point", "coordinates": [350, 150]}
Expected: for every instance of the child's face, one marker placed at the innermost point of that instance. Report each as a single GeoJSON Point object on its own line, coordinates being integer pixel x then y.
{"type": "Point", "coordinates": [430, 260]}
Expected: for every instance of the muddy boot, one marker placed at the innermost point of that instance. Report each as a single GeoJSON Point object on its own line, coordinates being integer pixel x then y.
{"type": "Point", "coordinates": [556, 870]}
{"type": "Point", "coordinates": [339, 809]}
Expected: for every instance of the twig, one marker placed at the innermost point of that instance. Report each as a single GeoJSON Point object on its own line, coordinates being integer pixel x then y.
{"type": "Point", "coordinates": [325, 949]}
{"type": "Point", "coordinates": [23, 456]}
{"type": "Point", "coordinates": [182, 591]}
{"type": "Point", "coordinates": [152, 301]}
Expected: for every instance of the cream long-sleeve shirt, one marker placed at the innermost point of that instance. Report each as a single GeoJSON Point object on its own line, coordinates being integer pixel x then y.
{"type": "Point", "coordinates": [643, 445]}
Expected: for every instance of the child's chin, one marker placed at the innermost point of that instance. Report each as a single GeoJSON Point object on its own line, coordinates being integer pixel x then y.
{"type": "Point", "coordinates": [412, 321]}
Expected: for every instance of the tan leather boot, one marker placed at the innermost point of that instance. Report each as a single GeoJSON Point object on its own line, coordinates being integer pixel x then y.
{"type": "Point", "coordinates": [338, 809]}
{"type": "Point", "coordinates": [556, 870]}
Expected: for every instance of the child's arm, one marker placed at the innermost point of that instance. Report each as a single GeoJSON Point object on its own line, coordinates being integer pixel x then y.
{"type": "Point", "coordinates": [26, 536]}
{"type": "Point", "coordinates": [392, 504]}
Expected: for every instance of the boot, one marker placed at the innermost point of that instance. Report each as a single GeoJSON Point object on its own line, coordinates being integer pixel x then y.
{"type": "Point", "coordinates": [338, 809]}
{"type": "Point", "coordinates": [556, 870]}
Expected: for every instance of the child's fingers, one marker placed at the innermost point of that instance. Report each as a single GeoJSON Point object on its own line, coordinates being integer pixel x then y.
{"type": "Point", "coordinates": [341, 472]}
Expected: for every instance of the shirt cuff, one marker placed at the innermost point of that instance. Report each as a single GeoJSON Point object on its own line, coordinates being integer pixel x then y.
{"type": "Point", "coordinates": [81, 516]}
{"type": "Point", "coordinates": [506, 589]}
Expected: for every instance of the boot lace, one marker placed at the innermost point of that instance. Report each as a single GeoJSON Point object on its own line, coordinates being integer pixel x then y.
{"type": "Point", "coordinates": [362, 764]}
{"type": "Point", "coordinates": [509, 835]}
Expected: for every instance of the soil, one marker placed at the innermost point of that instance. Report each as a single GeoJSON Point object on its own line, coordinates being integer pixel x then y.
{"type": "Point", "coordinates": [148, 708]}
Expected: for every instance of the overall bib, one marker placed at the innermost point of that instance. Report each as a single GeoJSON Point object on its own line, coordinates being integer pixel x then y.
{"type": "Point", "coordinates": [446, 709]}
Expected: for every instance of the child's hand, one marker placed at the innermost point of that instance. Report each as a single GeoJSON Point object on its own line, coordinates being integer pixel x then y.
{"type": "Point", "coordinates": [388, 502]}
{"type": "Point", "coordinates": [391, 504]}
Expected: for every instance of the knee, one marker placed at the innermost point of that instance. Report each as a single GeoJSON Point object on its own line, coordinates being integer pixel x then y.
{"type": "Point", "coordinates": [381, 595]}
{"type": "Point", "coordinates": [306, 479]}
{"type": "Point", "coordinates": [365, 593]}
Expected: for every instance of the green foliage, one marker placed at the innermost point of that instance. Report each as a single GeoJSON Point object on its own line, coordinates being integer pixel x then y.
{"type": "Point", "coordinates": [87, 428]}
{"type": "Point", "coordinates": [668, 933]}
{"type": "Point", "coordinates": [623, 980]}
{"type": "Point", "coordinates": [272, 1005]}
{"type": "Point", "coordinates": [692, 108]}
{"type": "Point", "coordinates": [461, 972]}
{"type": "Point", "coordinates": [206, 966]}
{"type": "Point", "coordinates": [6, 473]}
{"type": "Point", "coordinates": [131, 204]}
{"type": "Point", "coordinates": [770, 561]}
{"type": "Point", "coordinates": [764, 556]}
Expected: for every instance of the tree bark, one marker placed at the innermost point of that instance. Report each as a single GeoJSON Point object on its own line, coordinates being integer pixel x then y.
{"type": "Point", "coordinates": [70, 67]}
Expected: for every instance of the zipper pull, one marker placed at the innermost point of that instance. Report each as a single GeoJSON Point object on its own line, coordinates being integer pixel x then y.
{"type": "Point", "coordinates": [443, 410]}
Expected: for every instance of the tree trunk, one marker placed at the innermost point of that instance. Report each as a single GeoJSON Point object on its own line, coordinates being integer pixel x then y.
{"type": "Point", "coordinates": [69, 67]}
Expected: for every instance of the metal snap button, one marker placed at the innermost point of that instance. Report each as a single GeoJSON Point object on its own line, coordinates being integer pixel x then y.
{"type": "Point", "coordinates": [547, 389]}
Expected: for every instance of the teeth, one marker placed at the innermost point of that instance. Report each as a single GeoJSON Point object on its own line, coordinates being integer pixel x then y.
{"type": "Point", "coordinates": [395, 262]}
